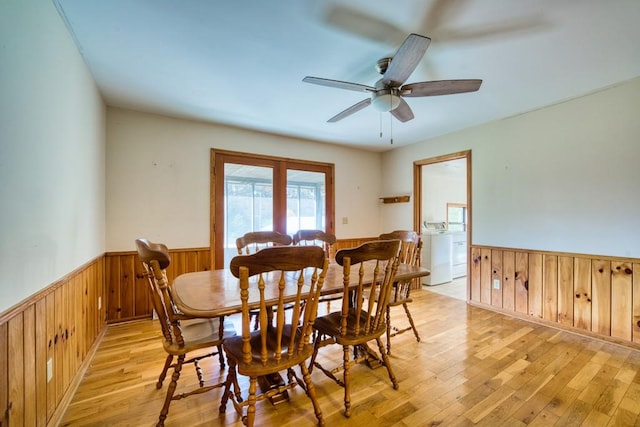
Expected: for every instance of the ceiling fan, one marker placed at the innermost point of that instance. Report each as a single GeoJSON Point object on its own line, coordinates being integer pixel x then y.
{"type": "Point", "coordinates": [389, 92]}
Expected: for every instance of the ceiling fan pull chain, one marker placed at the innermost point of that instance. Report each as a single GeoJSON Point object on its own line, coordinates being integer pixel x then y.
{"type": "Point", "coordinates": [381, 125]}
{"type": "Point", "coordinates": [391, 127]}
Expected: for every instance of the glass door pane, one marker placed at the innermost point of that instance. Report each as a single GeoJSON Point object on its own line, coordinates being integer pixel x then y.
{"type": "Point", "coordinates": [248, 203]}
{"type": "Point", "coordinates": [306, 194]}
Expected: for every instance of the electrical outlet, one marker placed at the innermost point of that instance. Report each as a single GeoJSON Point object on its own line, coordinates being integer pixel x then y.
{"type": "Point", "coordinates": [496, 283]}
{"type": "Point", "coordinates": [345, 220]}
{"type": "Point", "coordinates": [49, 370]}
{"type": "Point", "coordinates": [99, 303]}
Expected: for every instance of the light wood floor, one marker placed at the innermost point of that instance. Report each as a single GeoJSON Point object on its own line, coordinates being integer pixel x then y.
{"type": "Point", "coordinates": [457, 288]}
{"type": "Point", "coordinates": [472, 367]}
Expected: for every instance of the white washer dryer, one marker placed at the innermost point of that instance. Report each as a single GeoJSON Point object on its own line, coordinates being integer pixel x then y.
{"type": "Point", "coordinates": [436, 256]}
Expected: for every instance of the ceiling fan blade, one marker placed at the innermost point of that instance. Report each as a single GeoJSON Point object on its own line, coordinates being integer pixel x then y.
{"type": "Point", "coordinates": [363, 24]}
{"type": "Point", "coordinates": [440, 12]}
{"type": "Point", "coordinates": [339, 84]}
{"type": "Point", "coordinates": [406, 60]}
{"type": "Point", "coordinates": [402, 112]}
{"type": "Point", "coordinates": [349, 111]}
{"type": "Point", "coordinates": [440, 87]}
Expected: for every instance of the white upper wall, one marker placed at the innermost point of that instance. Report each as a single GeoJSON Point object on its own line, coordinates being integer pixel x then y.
{"type": "Point", "coordinates": [564, 178]}
{"type": "Point", "coordinates": [52, 153]}
{"type": "Point", "coordinates": [158, 177]}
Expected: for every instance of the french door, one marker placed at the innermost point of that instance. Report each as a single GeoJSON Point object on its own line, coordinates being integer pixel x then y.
{"type": "Point", "coordinates": [250, 192]}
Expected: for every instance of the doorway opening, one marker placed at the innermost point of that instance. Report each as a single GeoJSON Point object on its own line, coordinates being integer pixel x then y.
{"type": "Point", "coordinates": [443, 213]}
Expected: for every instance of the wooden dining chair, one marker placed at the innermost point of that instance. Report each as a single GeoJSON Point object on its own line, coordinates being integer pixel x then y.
{"type": "Point", "coordinates": [300, 273]}
{"type": "Point", "coordinates": [181, 335]}
{"type": "Point", "coordinates": [253, 241]}
{"type": "Point", "coordinates": [361, 319]}
{"type": "Point", "coordinates": [410, 250]}
{"type": "Point", "coordinates": [326, 242]}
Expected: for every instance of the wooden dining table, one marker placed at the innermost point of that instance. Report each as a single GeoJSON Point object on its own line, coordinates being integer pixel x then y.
{"type": "Point", "coordinates": [217, 292]}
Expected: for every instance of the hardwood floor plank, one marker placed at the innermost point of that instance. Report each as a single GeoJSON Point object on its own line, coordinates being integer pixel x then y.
{"type": "Point", "coordinates": [471, 367]}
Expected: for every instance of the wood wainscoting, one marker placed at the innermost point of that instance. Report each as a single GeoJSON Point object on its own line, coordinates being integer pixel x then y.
{"type": "Point", "coordinates": [127, 289]}
{"type": "Point", "coordinates": [50, 334]}
{"type": "Point", "coordinates": [597, 296]}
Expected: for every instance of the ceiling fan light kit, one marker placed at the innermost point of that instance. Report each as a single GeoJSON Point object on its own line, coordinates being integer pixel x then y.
{"type": "Point", "coordinates": [389, 92]}
{"type": "Point", "coordinates": [385, 100]}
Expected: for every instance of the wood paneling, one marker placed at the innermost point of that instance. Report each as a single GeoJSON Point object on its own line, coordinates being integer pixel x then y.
{"type": "Point", "coordinates": [475, 271]}
{"type": "Point", "coordinates": [4, 374]}
{"type": "Point", "coordinates": [636, 302]}
{"type": "Point", "coordinates": [582, 293]}
{"type": "Point", "coordinates": [521, 282]}
{"type": "Point", "coordinates": [496, 277]}
{"type": "Point", "coordinates": [621, 300]}
{"type": "Point", "coordinates": [565, 290]}
{"type": "Point", "coordinates": [16, 371]}
{"type": "Point", "coordinates": [49, 326]}
{"type": "Point", "coordinates": [530, 268]}
{"type": "Point", "coordinates": [550, 287]}
{"type": "Point", "coordinates": [508, 280]}
{"type": "Point", "coordinates": [485, 275]}
{"type": "Point", "coordinates": [351, 243]}
{"type": "Point", "coordinates": [127, 289]}
{"type": "Point", "coordinates": [599, 296]}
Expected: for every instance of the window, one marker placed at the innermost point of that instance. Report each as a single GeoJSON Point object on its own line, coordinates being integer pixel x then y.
{"type": "Point", "coordinates": [266, 193]}
{"type": "Point", "coordinates": [456, 217]}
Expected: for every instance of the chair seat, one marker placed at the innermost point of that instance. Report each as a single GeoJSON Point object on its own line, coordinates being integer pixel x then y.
{"type": "Point", "coordinates": [233, 348]}
{"type": "Point", "coordinates": [200, 333]}
{"type": "Point", "coordinates": [330, 325]}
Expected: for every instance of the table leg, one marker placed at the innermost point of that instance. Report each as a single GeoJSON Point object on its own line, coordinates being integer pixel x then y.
{"type": "Point", "coordinates": [269, 382]}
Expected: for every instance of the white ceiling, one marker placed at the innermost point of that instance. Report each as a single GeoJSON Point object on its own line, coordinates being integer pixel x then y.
{"type": "Point", "coordinates": [242, 62]}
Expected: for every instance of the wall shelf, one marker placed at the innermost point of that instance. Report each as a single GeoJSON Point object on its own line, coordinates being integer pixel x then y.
{"type": "Point", "coordinates": [395, 199]}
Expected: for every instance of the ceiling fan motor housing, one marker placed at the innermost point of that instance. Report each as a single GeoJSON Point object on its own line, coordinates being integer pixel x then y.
{"type": "Point", "coordinates": [382, 64]}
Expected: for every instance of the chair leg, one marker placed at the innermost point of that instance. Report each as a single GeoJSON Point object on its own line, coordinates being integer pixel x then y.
{"type": "Point", "coordinates": [316, 346]}
{"type": "Point", "coordinates": [163, 374]}
{"type": "Point", "coordinates": [230, 382]}
{"type": "Point", "coordinates": [220, 335]}
{"type": "Point", "coordinates": [347, 385]}
{"type": "Point", "coordinates": [251, 406]}
{"type": "Point", "coordinates": [171, 390]}
{"type": "Point", "coordinates": [413, 326]}
{"type": "Point", "coordinates": [311, 392]}
{"type": "Point", "coordinates": [387, 363]}
{"type": "Point", "coordinates": [221, 357]}
{"type": "Point", "coordinates": [388, 330]}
